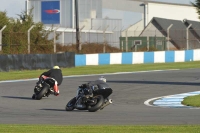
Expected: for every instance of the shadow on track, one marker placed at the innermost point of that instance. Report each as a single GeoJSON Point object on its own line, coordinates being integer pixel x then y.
{"type": "Point", "coordinates": [157, 82]}
{"type": "Point", "coordinates": [14, 97]}
{"type": "Point", "coordinates": [53, 109]}
{"type": "Point", "coordinates": [64, 110]}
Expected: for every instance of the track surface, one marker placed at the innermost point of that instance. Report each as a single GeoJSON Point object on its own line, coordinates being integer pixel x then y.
{"type": "Point", "coordinates": [130, 92]}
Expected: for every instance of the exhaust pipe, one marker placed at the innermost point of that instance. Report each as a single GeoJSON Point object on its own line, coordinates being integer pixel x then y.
{"type": "Point", "coordinates": [106, 103]}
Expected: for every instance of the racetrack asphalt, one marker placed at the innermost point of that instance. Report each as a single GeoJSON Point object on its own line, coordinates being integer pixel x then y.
{"type": "Point", "coordinates": [130, 91]}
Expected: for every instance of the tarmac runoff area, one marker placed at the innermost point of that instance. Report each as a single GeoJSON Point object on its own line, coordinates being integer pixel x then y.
{"type": "Point", "coordinates": [171, 101]}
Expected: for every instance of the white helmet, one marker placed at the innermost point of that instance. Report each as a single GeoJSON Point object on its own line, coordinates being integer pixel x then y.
{"type": "Point", "coordinates": [56, 67]}
{"type": "Point", "coordinates": [102, 78]}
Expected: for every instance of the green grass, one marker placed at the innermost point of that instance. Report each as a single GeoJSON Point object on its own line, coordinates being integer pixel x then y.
{"type": "Point", "coordinates": [100, 69]}
{"type": "Point", "coordinates": [98, 129]}
{"type": "Point", "coordinates": [192, 101]}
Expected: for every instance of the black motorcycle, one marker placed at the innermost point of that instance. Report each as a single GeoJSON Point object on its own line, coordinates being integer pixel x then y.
{"type": "Point", "coordinates": [44, 88]}
{"type": "Point", "coordinates": [82, 102]}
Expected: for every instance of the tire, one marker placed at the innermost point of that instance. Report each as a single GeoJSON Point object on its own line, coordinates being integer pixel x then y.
{"type": "Point", "coordinates": [42, 92]}
{"type": "Point", "coordinates": [71, 104]}
{"type": "Point", "coordinates": [100, 101]}
{"type": "Point", "coordinates": [33, 96]}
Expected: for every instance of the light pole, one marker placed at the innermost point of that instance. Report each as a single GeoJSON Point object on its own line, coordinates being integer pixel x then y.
{"type": "Point", "coordinates": [77, 26]}
{"type": "Point", "coordinates": [27, 2]}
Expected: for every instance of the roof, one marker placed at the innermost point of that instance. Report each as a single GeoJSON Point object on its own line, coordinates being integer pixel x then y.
{"type": "Point", "coordinates": [178, 4]}
{"type": "Point", "coordinates": [177, 32]}
{"type": "Point", "coordinates": [70, 30]}
{"type": "Point", "coordinates": [160, 2]}
{"type": "Point", "coordinates": [195, 26]}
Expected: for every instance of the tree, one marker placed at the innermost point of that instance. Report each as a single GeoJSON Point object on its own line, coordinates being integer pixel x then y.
{"type": "Point", "coordinates": [196, 4]}
{"type": "Point", "coordinates": [15, 35]}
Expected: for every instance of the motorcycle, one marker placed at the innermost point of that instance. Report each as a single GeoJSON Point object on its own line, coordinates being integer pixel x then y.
{"type": "Point", "coordinates": [44, 88]}
{"type": "Point", "coordinates": [82, 102]}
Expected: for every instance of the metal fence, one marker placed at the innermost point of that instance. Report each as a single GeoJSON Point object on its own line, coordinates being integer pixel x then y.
{"type": "Point", "coordinates": [19, 42]}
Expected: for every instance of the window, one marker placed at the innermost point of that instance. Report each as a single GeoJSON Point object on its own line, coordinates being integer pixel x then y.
{"type": "Point", "coordinates": [137, 42]}
{"type": "Point", "coordinates": [159, 42]}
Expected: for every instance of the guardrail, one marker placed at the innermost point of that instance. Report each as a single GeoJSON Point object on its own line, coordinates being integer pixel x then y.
{"type": "Point", "coordinates": [137, 57]}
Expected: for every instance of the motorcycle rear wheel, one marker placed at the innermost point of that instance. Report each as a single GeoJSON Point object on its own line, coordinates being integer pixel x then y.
{"type": "Point", "coordinates": [100, 101]}
{"type": "Point", "coordinates": [71, 104]}
{"type": "Point", "coordinates": [42, 93]}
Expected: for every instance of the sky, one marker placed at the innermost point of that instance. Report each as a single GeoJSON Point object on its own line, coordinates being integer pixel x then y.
{"type": "Point", "coordinates": [14, 7]}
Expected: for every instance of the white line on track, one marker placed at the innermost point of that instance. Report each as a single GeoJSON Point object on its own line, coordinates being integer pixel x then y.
{"type": "Point", "coordinates": [21, 80]}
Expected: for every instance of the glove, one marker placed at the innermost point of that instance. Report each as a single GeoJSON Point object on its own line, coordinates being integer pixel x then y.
{"type": "Point", "coordinates": [56, 93]}
{"type": "Point", "coordinates": [83, 86]}
{"type": "Point", "coordinates": [95, 88]}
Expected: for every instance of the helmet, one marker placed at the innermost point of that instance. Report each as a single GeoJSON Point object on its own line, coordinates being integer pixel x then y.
{"type": "Point", "coordinates": [56, 67]}
{"type": "Point", "coordinates": [102, 78]}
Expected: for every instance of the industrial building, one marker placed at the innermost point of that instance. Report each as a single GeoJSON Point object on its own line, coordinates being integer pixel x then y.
{"type": "Point", "coordinates": [95, 28]}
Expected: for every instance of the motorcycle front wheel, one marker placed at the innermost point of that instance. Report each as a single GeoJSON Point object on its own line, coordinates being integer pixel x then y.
{"type": "Point", "coordinates": [97, 106]}
{"type": "Point", "coordinates": [71, 104]}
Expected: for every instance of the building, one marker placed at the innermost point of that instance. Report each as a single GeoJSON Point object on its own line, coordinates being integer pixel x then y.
{"type": "Point", "coordinates": [151, 9]}
{"type": "Point", "coordinates": [94, 28]}
{"type": "Point", "coordinates": [61, 14]}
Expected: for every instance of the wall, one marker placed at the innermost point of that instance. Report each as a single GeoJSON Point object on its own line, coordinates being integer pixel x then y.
{"type": "Point", "coordinates": [36, 61]}
{"type": "Point", "coordinates": [137, 57]}
{"type": "Point", "coordinates": [151, 43]}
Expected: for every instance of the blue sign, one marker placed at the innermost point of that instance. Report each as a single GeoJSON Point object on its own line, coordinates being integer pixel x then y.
{"type": "Point", "coordinates": [50, 12]}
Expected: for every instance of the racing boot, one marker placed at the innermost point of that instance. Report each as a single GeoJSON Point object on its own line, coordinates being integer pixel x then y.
{"type": "Point", "coordinates": [33, 96]}
{"type": "Point", "coordinates": [106, 103]}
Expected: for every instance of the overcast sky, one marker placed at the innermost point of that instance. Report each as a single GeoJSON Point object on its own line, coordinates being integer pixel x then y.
{"type": "Point", "coordinates": [13, 7]}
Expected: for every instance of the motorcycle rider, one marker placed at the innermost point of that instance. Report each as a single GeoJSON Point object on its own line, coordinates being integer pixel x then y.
{"type": "Point", "coordinates": [98, 86]}
{"type": "Point", "coordinates": [54, 73]}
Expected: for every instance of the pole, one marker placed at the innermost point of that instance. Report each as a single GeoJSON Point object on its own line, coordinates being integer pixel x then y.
{"type": "Point", "coordinates": [104, 34]}
{"type": "Point", "coordinates": [63, 37]}
{"type": "Point", "coordinates": [1, 37]}
{"type": "Point", "coordinates": [29, 40]}
{"type": "Point", "coordinates": [77, 26]}
{"type": "Point", "coordinates": [126, 40]}
{"type": "Point", "coordinates": [187, 35]}
{"type": "Point", "coordinates": [168, 36]}
{"type": "Point", "coordinates": [54, 40]}
{"type": "Point", "coordinates": [80, 47]}
{"type": "Point", "coordinates": [27, 7]}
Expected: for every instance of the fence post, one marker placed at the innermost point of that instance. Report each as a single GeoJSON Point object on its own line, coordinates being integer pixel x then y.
{"type": "Point", "coordinates": [29, 40]}
{"type": "Point", "coordinates": [27, 7]}
{"type": "Point", "coordinates": [1, 37]}
{"type": "Point", "coordinates": [80, 47]}
{"type": "Point", "coordinates": [97, 33]}
{"type": "Point", "coordinates": [104, 46]}
{"type": "Point", "coordinates": [168, 36]}
{"type": "Point", "coordinates": [187, 36]}
{"type": "Point", "coordinates": [126, 40]}
{"type": "Point", "coordinates": [122, 45]}
{"type": "Point", "coordinates": [120, 37]}
{"type": "Point", "coordinates": [147, 43]}
{"type": "Point", "coordinates": [63, 36]}
{"type": "Point", "coordinates": [54, 40]}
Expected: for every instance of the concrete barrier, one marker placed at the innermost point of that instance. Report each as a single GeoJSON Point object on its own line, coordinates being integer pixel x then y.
{"type": "Point", "coordinates": [137, 57]}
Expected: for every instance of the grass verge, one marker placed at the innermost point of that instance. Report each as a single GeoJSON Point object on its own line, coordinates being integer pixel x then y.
{"type": "Point", "coordinates": [27, 74]}
{"type": "Point", "coordinates": [98, 129]}
{"type": "Point", "coordinates": [192, 101]}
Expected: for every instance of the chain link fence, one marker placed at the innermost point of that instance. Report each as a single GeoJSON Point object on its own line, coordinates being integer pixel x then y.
{"type": "Point", "coordinates": [16, 42]}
